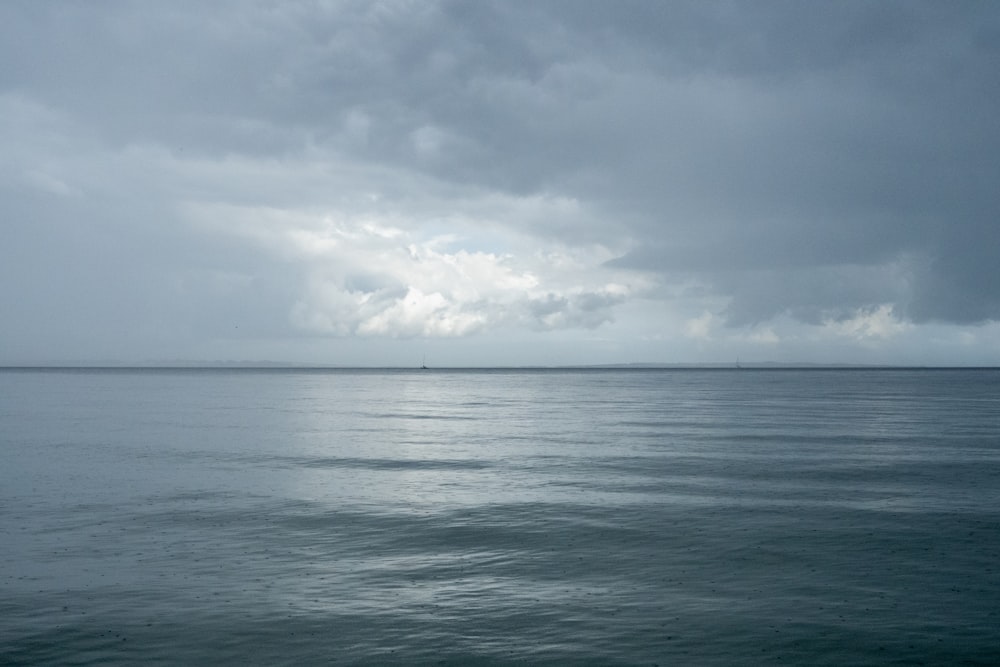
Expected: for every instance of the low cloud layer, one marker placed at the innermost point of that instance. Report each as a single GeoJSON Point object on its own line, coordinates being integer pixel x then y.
{"type": "Point", "coordinates": [607, 181]}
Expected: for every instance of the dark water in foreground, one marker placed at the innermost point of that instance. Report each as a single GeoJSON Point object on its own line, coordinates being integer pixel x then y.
{"type": "Point", "coordinates": [494, 517]}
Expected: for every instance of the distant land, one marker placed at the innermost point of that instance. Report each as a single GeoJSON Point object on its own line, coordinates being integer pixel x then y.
{"type": "Point", "coordinates": [251, 364]}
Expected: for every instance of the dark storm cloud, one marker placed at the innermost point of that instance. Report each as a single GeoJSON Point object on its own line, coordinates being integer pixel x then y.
{"type": "Point", "coordinates": [842, 136]}
{"type": "Point", "coordinates": [801, 159]}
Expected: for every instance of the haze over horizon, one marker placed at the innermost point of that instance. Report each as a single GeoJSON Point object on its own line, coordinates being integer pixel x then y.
{"type": "Point", "coordinates": [500, 183]}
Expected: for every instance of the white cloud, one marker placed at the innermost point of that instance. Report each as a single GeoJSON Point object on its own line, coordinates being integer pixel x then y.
{"type": "Point", "coordinates": [419, 314]}
{"type": "Point", "coordinates": [701, 327]}
{"type": "Point", "coordinates": [764, 336]}
{"type": "Point", "coordinates": [368, 275]}
{"type": "Point", "coordinates": [878, 323]}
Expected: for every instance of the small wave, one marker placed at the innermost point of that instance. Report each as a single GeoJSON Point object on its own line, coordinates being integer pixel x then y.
{"type": "Point", "coordinates": [387, 464]}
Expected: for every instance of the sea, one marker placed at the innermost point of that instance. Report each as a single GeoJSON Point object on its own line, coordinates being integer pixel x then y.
{"type": "Point", "coordinates": [589, 516]}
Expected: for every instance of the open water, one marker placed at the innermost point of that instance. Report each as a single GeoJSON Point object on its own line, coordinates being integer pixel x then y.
{"type": "Point", "coordinates": [634, 517]}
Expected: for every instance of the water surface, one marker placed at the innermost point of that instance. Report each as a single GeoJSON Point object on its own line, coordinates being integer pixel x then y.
{"type": "Point", "coordinates": [499, 516]}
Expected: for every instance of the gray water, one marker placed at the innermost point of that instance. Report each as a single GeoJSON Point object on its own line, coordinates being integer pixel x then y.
{"type": "Point", "coordinates": [698, 517]}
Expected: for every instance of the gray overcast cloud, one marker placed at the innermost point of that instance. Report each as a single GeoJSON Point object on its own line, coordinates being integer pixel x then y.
{"type": "Point", "coordinates": [500, 183]}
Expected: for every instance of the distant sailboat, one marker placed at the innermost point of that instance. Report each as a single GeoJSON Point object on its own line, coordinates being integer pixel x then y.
{"type": "Point", "coordinates": [423, 362]}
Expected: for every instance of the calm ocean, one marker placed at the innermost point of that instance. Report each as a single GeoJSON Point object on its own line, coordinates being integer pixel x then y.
{"type": "Point", "coordinates": [634, 517]}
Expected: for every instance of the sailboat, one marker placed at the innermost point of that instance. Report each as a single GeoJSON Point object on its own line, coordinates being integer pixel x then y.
{"type": "Point", "coordinates": [423, 363]}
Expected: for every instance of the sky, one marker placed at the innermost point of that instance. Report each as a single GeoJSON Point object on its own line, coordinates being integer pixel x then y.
{"type": "Point", "coordinates": [518, 182]}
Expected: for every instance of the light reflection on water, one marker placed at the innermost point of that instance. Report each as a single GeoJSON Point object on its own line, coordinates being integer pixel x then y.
{"type": "Point", "coordinates": [550, 516]}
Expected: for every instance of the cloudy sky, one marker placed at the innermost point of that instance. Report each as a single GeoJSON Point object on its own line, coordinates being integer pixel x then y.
{"type": "Point", "coordinates": [512, 182]}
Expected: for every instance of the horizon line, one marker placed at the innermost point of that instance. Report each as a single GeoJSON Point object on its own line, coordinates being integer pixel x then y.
{"type": "Point", "coordinates": [281, 365]}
